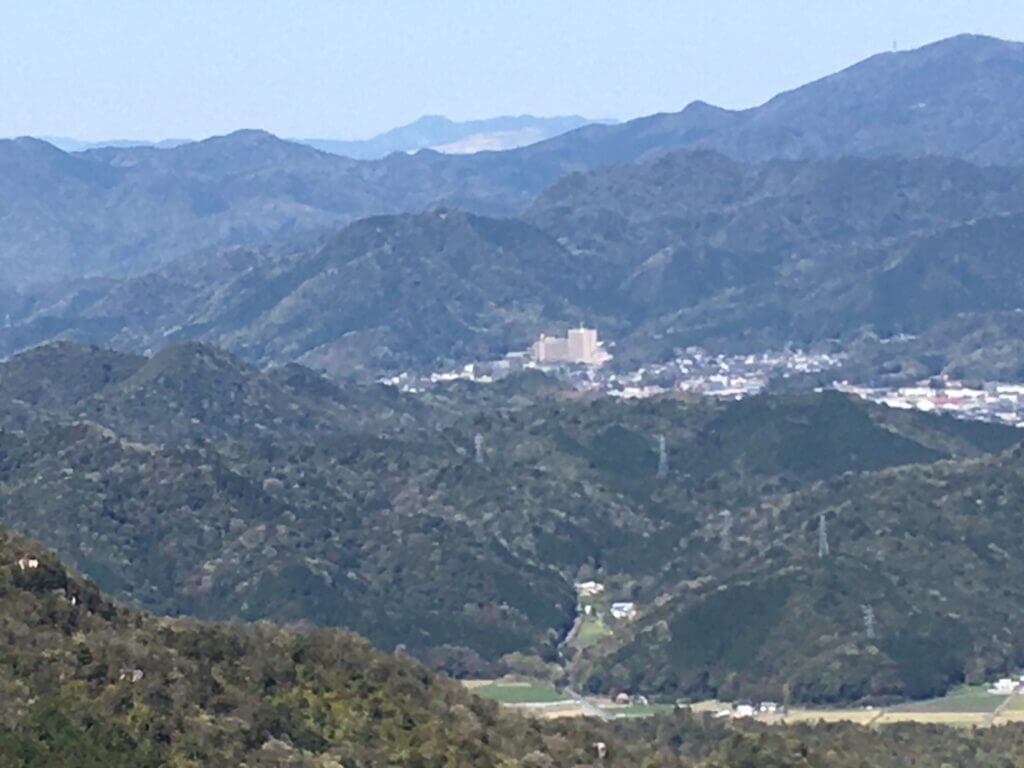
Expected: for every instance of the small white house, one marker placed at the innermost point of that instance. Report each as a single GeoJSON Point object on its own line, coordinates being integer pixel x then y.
{"type": "Point", "coordinates": [589, 588]}
{"type": "Point", "coordinates": [28, 563]}
{"type": "Point", "coordinates": [768, 707]}
{"type": "Point", "coordinates": [623, 610]}
{"type": "Point", "coordinates": [743, 710]}
{"type": "Point", "coordinates": [1004, 686]}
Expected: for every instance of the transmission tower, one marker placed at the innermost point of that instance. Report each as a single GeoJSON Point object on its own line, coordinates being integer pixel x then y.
{"type": "Point", "coordinates": [869, 621]}
{"type": "Point", "coordinates": [726, 530]}
{"type": "Point", "coordinates": [822, 537]}
{"type": "Point", "coordinates": [662, 457]}
{"type": "Point", "coordinates": [478, 448]}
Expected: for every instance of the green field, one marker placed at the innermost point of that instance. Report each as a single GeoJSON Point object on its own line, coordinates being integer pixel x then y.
{"type": "Point", "coordinates": [966, 698]}
{"type": "Point", "coordinates": [520, 693]}
{"type": "Point", "coordinates": [591, 630]}
{"type": "Point", "coordinates": [1016, 704]}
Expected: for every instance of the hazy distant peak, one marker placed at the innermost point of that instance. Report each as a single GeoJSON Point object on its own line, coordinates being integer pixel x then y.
{"type": "Point", "coordinates": [245, 149]}
{"type": "Point", "coordinates": [245, 135]}
{"type": "Point", "coordinates": [67, 144]}
{"type": "Point", "coordinates": [248, 138]}
{"type": "Point", "coordinates": [427, 121]}
{"type": "Point", "coordinates": [30, 144]}
{"type": "Point", "coordinates": [459, 137]}
{"type": "Point", "coordinates": [699, 106]}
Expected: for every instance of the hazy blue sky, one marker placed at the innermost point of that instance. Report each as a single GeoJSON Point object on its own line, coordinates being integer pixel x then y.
{"type": "Point", "coordinates": [304, 68]}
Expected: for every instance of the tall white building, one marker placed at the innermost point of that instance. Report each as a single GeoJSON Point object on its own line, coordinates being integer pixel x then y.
{"type": "Point", "coordinates": [582, 344]}
{"type": "Point", "coordinates": [579, 346]}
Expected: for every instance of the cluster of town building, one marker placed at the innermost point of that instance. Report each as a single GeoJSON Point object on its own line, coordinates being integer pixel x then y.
{"type": "Point", "coordinates": [726, 376]}
{"type": "Point", "coordinates": [579, 359]}
{"type": "Point", "coordinates": [997, 402]}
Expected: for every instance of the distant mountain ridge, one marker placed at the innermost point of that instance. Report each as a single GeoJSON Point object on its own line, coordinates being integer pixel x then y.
{"type": "Point", "coordinates": [126, 210]}
{"type": "Point", "coordinates": [459, 137]}
{"type": "Point", "coordinates": [954, 97]}
{"type": "Point", "coordinates": [68, 144]}
{"type": "Point", "coordinates": [428, 132]}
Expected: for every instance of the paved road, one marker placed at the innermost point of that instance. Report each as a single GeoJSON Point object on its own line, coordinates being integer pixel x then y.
{"type": "Point", "coordinates": [991, 718]}
{"type": "Point", "coordinates": [589, 709]}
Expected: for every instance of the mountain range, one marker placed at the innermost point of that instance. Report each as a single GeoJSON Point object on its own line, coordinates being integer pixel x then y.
{"type": "Point", "coordinates": [434, 132]}
{"type": "Point", "coordinates": [224, 543]}
{"type": "Point", "coordinates": [689, 247]}
{"type": "Point", "coordinates": [252, 553]}
{"type": "Point", "coordinates": [730, 229]}
{"type": "Point", "coordinates": [94, 212]}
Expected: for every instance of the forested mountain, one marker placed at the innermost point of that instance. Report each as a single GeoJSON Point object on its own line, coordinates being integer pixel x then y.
{"type": "Point", "coordinates": [192, 483]}
{"type": "Point", "coordinates": [686, 248]}
{"type": "Point", "coordinates": [386, 293]}
{"type": "Point", "coordinates": [730, 623]}
{"type": "Point", "coordinates": [696, 248]}
{"type": "Point", "coordinates": [95, 685]}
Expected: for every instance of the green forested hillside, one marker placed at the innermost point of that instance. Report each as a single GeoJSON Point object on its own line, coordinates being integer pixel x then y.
{"type": "Point", "coordinates": [191, 483]}
{"type": "Point", "coordinates": [679, 249]}
{"type": "Point", "coordinates": [927, 548]}
{"type": "Point", "coordinates": [90, 684]}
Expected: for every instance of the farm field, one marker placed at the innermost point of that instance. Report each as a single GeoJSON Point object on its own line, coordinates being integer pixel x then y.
{"type": "Point", "coordinates": [591, 631]}
{"type": "Point", "coordinates": [857, 716]}
{"type": "Point", "coordinates": [963, 699]}
{"type": "Point", "coordinates": [967, 706]}
{"type": "Point", "coordinates": [956, 719]}
{"type": "Point", "coordinates": [518, 693]}
{"type": "Point", "coordinates": [545, 700]}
